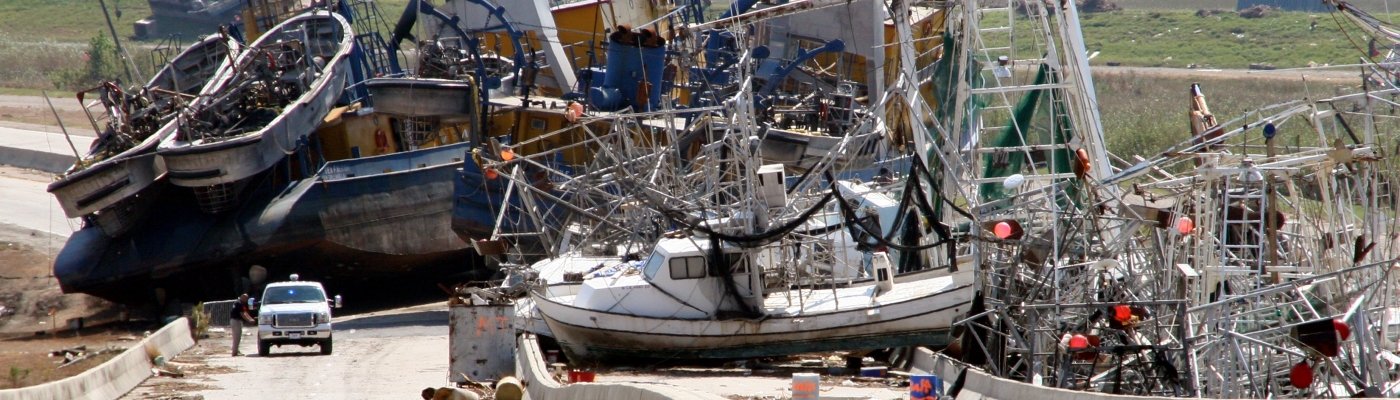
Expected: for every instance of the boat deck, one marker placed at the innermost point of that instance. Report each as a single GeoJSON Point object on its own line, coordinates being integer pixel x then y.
{"type": "Point", "coordinates": [553, 271]}
{"type": "Point", "coordinates": [820, 301]}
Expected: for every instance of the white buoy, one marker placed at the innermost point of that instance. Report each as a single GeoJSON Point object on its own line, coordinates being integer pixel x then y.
{"type": "Point", "coordinates": [1014, 181]}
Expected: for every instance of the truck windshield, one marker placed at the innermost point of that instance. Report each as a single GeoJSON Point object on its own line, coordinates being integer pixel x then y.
{"type": "Point", "coordinates": [293, 294]}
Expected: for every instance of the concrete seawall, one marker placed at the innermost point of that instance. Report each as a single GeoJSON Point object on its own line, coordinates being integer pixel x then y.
{"type": "Point", "coordinates": [115, 377]}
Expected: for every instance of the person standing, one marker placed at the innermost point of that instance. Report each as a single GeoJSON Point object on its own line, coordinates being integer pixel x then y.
{"type": "Point", "coordinates": [236, 317]}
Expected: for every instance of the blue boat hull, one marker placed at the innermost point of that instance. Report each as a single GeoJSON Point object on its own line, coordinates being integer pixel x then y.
{"type": "Point", "coordinates": [478, 202]}
{"type": "Point", "coordinates": [352, 226]}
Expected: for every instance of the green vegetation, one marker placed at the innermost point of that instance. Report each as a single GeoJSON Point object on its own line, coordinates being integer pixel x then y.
{"type": "Point", "coordinates": [1376, 6]}
{"type": "Point", "coordinates": [1145, 115]}
{"type": "Point", "coordinates": [17, 375]}
{"type": "Point", "coordinates": [102, 63]}
{"type": "Point", "coordinates": [1176, 4]}
{"type": "Point", "coordinates": [66, 20]}
{"type": "Point", "coordinates": [1180, 38]}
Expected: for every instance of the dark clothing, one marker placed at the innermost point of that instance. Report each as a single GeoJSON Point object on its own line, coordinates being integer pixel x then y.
{"type": "Point", "coordinates": [238, 309]}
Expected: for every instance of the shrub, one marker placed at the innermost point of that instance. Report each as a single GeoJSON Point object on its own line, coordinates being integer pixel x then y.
{"type": "Point", "coordinates": [1208, 13]}
{"type": "Point", "coordinates": [103, 63]}
{"type": "Point", "coordinates": [1090, 6]}
{"type": "Point", "coordinates": [1258, 11]}
{"type": "Point", "coordinates": [17, 375]}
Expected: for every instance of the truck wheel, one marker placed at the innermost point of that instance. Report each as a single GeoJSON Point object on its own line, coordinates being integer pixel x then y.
{"type": "Point", "coordinates": [326, 347]}
{"type": "Point", "coordinates": [264, 348]}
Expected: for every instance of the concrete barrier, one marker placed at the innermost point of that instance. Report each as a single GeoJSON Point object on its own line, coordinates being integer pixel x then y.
{"type": "Point", "coordinates": [34, 159]}
{"type": "Point", "coordinates": [115, 377]}
{"type": "Point", "coordinates": [980, 385]}
{"type": "Point", "coordinates": [533, 372]}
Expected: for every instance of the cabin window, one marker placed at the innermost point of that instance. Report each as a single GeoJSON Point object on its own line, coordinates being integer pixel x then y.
{"type": "Point", "coordinates": [538, 124]}
{"type": "Point", "coordinates": [882, 274]}
{"type": "Point", "coordinates": [653, 264]}
{"type": "Point", "coordinates": [687, 267]}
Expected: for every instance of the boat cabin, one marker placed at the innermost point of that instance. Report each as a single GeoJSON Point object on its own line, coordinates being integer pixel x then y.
{"type": "Point", "coordinates": [676, 281]}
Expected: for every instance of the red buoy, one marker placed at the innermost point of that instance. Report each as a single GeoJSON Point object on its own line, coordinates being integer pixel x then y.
{"type": "Point", "coordinates": [1343, 330]}
{"type": "Point", "coordinates": [1301, 375]}
{"type": "Point", "coordinates": [1122, 313]}
{"type": "Point", "coordinates": [1078, 342]}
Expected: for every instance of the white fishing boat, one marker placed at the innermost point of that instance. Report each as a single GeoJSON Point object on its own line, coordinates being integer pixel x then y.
{"type": "Point", "coordinates": [107, 182]}
{"type": "Point", "coordinates": [676, 305]}
{"type": "Point", "coordinates": [276, 94]}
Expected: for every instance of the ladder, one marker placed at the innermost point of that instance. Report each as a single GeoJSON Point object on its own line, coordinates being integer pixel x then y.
{"type": "Point", "coordinates": [368, 24]}
{"type": "Point", "coordinates": [1242, 229]}
{"type": "Point", "coordinates": [371, 57]}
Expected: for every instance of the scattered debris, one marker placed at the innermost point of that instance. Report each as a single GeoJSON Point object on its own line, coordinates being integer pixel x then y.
{"type": "Point", "coordinates": [1207, 13]}
{"type": "Point", "coordinates": [173, 373]}
{"type": "Point", "coordinates": [1258, 11]}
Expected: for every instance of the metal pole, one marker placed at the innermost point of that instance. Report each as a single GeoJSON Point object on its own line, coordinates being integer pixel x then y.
{"type": "Point", "coordinates": [120, 51]}
{"type": "Point", "coordinates": [60, 126]}
{"type": "Point", "coordinates": [1271, 222]}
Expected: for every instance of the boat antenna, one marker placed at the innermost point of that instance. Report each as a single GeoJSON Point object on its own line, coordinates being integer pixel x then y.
{"type": "Point", "coordinates": [60, 126]}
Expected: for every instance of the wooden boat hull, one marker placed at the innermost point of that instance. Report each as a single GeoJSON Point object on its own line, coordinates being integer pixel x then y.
{"type": "Point", "coordinates": [100, 186]}
{"type": "Point", "coordinates": [603, 336]}
{"type": "Point", "coordinates": [200, 164]}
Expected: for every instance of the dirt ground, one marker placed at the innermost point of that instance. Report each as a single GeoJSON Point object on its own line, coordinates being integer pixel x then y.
{"type": "Point", "coordinates": [28, 293]}
{"type": "Point", "coordinates": [193, 371]}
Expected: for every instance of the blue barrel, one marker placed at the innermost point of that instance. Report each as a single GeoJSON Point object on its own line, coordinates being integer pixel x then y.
{"type": "Point", "coordinates": [653, 63]}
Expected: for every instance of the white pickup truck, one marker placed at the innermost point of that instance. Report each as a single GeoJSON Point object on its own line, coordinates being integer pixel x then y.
{"type": "Point", "coordinates": [295, 313]}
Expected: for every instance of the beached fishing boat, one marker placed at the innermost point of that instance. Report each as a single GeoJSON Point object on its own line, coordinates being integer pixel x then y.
{"type": "Point", "coordinates": [674, 305]}
{"type": "Point", "coordinates": [276, 93]}
{"type": "Point", "coordinates": [107, 185]}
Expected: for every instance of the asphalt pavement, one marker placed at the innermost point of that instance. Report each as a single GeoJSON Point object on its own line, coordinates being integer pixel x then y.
{"type": "Point", "coordinates": [384, 355]}
{"type": "Point", "coordinates": [28, 213]}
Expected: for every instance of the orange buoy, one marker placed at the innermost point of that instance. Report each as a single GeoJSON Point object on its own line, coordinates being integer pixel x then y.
{"type": "Point", "coordinates": [491, 174]}
{"type": "Point", "coordinates": [574, 111]}
{"type": "Point", "coordinates": [507, 154]}
{"type": "Point", "coordinates": [1185, 225]}
{"type": "Point", "coordinates": [1002, 230]}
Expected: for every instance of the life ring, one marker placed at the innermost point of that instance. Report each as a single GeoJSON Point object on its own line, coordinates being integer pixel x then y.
{"type": "Point", "coordinates": [381, 141]}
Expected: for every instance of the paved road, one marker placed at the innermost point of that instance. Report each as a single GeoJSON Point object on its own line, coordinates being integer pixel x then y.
{"type": "Point", "coordinates": [26, 208]}
{"type": "Point", "coordinates": [62, 103]}
{"type": "Point", "coordinates": [390, 355]}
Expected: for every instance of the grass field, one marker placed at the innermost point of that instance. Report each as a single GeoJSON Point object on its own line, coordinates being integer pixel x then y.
{"type": "Point", "coordinates": [1180, 38]}
{"type": "Point", "coordinates": [1144, 115]}
{"type": "Point", "coordinates": [1193, 5]}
